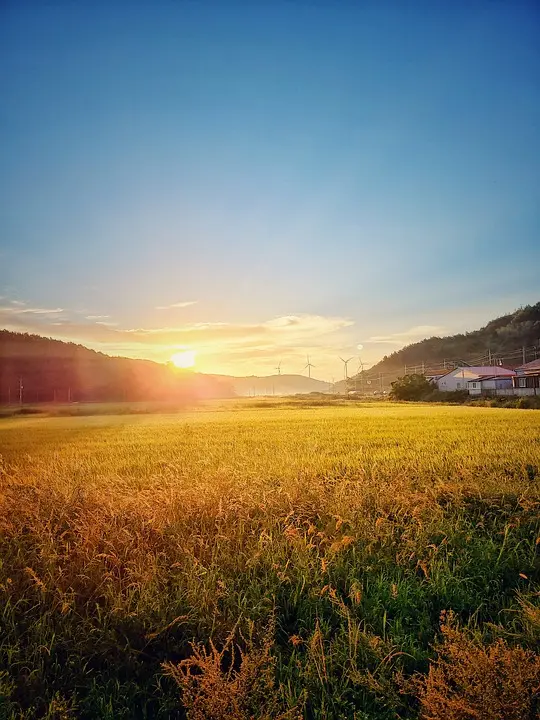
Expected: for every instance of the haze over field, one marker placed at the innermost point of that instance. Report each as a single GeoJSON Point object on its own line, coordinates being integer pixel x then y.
{"type": "Point", "coordinates": [257, 182]}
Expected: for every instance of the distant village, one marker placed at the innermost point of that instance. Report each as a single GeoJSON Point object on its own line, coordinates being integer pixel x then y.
{"type": "Point", "coordinates": [490, 380]}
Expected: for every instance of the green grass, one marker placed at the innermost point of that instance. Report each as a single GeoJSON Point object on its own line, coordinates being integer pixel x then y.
{"type": "Point", "coordinates": [346, 530]}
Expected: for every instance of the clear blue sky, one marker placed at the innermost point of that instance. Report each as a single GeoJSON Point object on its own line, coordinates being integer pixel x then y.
{"type": "Point", "coordinates": [308, 175]}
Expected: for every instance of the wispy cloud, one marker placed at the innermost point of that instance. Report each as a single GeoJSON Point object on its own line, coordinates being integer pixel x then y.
{"type": "Point", "coordinates": [172, 306]}
{"type": "Point", "coordinates": [223, 346]}
{"type": "Point", "coordinates": [414, 334]}
{"type": "Point", "coordinates": [21, 309]}
{"type": "Point", "coordinates": [229, 347]}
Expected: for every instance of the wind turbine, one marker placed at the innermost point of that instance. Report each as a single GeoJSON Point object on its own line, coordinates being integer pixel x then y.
{"type": "Point", "coordinates": [345, 363]}
{"type": "Point", "coordinates": [309, 366]}
{"type": "Point", "coordinates": [278, 368]}
{"type": "Point", "coordinates": [360, 369]}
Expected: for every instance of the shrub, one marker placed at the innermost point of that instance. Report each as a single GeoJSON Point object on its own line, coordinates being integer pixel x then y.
{"type": "Point", "coordinates": [411, 387]}
{"type": "Point", "coordinates": [469, 680]}
{"type": "Point", "coordinates": [229, 683]}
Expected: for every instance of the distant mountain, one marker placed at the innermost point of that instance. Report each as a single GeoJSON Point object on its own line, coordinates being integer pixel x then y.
{"type": "Point", "coordinates": [507, 340]}
{"type": "Point", "coordinates": [274, 384]}
{"type": "Point", "coordinates": [52, 370]}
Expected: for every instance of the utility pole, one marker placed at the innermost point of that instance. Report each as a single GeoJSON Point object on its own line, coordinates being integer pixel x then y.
{"type": "Point", "coordinates": [523, 352]}
{"type": "Point", "coordinates": [489, 355]}
{"type": "Point", "coordinates": [21, 388]}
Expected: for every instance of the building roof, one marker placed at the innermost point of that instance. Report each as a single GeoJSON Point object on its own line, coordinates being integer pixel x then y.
{"type": "Point", "coordinates": [533, 365]}
{"type": "Point", "coordinates": [493, 377]}
{"type": "Point", "coordinates": [485, 371]}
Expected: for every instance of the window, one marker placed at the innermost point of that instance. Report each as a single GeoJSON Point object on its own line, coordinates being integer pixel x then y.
{"type": "Point", "coordinates": [459, 386]}
{"type": "Point", "coordinates": [474, 385]}
{"type": "Point", "coordinates": [522, 382]}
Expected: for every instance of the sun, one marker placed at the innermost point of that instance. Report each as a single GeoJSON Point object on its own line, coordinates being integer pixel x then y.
{"type": "Point", "coordinates": [184, 359]}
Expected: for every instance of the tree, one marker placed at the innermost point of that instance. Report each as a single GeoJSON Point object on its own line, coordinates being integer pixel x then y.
{"type": "Point", "coordinates": [411, 387]}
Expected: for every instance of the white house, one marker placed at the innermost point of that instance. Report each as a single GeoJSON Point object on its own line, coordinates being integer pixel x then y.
{"type": "Point", "coordinates": [435, 376]}
{"type": "Point", "coordinates": [490, 384]}
{"type": "Point", "coordinates": [458, 378]}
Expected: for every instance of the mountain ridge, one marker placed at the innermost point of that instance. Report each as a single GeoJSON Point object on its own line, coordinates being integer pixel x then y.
{"type": "Point", "coordinates": [509, 340]}
{"type": "Point", "coordinates": [53, 370]}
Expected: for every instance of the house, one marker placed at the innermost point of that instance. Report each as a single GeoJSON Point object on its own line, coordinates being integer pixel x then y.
{"type": "Point", "coordinates": [527, 379]}
{"type": "Point", "coordinates": [491, 385]}
{"type": "Point", "coordinates": [434, 376]}
{"type": "Point", "coordinates": [458, 378]}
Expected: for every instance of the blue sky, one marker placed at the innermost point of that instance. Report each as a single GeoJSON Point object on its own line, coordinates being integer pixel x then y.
{"type": "Point", "coordinates": [295, 177]}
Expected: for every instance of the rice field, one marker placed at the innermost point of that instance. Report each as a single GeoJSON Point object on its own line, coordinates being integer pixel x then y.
{"type": "Point", "coordinates": [233, 561]}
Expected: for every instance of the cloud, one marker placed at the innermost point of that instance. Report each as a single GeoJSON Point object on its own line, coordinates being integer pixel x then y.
{"type": "Point", "coordinates": [21, 309]}
{"type": "Point", "coordinates": [282, 332]}
{"type": "Point", "coordinates": [414, 334]}
{"type": "Point", "coordinates": [185, 303]}
{"type": "Point", "coordinates": [237, 348]}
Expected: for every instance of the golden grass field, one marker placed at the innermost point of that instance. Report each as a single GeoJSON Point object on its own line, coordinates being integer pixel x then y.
{"type": "Point", "coordinates": [249, 561]}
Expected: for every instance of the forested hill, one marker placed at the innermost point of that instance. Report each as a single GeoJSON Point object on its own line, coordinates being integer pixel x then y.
{"type": "Point", "coordinates": [51, 370]}
{"type": "Point", "coordinates": [502, 339]}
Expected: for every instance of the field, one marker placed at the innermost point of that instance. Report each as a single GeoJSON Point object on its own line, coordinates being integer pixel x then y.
{"type": "Point", "coordinates": [262, 562]}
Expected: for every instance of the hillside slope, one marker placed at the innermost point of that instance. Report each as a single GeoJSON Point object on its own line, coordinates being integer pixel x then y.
{"type": "Point", "coordinates": [52, 370]}
{"type": "Point", "coordinates": [507, 340]}
{"type": "Point", "coordinates": [275, 384]}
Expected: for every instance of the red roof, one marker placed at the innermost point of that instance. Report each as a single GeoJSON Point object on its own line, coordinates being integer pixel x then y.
{"type": "Point", "coordinates": [534, 365]}
{"type": "Point", "coordinates": [490, 371]}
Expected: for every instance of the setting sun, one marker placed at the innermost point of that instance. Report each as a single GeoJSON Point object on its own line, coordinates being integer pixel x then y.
{"type": "Point", "coordinates": [184, 359]}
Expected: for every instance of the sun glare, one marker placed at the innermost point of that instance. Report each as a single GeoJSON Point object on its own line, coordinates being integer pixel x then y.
{"type": "Point", "coordinates": [184, 359]}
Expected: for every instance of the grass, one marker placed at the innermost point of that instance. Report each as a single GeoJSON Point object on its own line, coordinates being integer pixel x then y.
{"type": "Point", "coordinates": [242, 562]}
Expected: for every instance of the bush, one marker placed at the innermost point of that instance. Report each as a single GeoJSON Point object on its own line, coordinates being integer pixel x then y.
{"type": "Point", "coordinates": [529, 402]}
{"type": "Point", "coordinates": [230, 683]}
{"type": "Point", "coordinates": [457, 396]}
{"type": "Point", "coordinates": [522, 403]}
{"type": "Point", "coordinates": [471, 680]}
{"type": "Point", "coordinates": [411, 387]}
{"type": "Point", "coordinates": [417, 387]}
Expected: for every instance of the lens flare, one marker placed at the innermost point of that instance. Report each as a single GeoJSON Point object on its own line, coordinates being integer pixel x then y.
{"type": "Point", "coordinates": [184, 359]}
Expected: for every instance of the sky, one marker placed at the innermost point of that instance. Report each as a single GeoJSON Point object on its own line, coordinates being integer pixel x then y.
{"type": "Point", "coordinates": [260, 181]}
